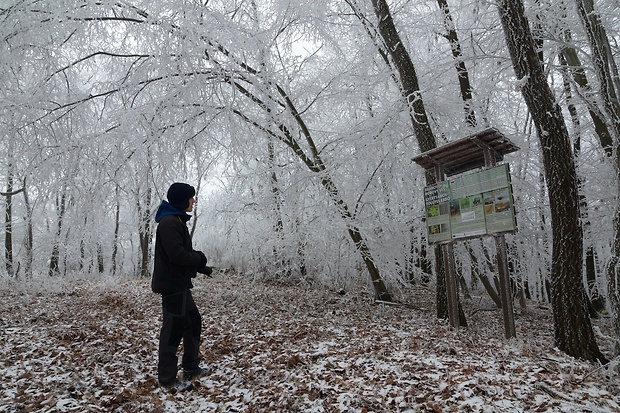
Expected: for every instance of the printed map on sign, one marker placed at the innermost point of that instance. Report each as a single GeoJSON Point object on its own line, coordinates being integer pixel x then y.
{"type": "Point", "coordinates": [470, 205]}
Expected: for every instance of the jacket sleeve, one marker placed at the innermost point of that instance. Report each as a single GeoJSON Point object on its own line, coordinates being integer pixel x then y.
{"type": "Point", "coordinates": [176, 243]}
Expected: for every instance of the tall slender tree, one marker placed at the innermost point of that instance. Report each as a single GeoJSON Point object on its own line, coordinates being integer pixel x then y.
{"type": "Point", "coordinates": [8, 213]}
{"type": "Point", "coordinates": [461, 68]}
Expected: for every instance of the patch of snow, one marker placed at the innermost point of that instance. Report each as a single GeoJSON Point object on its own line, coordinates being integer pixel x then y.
{"type": "Point", "coordinates": [92, 346]}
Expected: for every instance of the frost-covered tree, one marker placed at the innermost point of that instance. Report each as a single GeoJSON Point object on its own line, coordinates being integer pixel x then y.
{"type": "Point", "coordinates": [573, 329]}
{"type": "Point", "coordinates": [606, 72]}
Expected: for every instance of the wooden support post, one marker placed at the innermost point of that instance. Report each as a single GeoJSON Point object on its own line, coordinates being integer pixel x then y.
{"type": "Point", "coordinates": [504, 285]}
{"type": "Point", "coordinates": [502, 264]}
{"type": "Point", "coordinates": [449, 270]}
{"type": "Point", "coordinates": [451, 285]}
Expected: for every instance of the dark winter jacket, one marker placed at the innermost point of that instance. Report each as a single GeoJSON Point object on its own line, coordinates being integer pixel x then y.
{"type": "Point", "coordinates": [176, 261]}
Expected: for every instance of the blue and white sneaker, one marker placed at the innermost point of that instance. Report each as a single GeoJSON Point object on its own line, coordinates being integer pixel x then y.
{"type": "Point", "coordinates": [193, 374]}
{"type": "Point", "coordinates": [177, 386]}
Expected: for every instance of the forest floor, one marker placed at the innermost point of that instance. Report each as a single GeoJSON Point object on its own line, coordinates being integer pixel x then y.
{"type": "Point", "coordinates": [91, 346]}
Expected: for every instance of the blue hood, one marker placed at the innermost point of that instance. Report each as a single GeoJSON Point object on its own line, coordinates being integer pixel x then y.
{"type": "Point", "coordinates": [166, 209]}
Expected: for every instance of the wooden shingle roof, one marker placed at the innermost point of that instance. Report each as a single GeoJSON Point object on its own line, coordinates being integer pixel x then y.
{"type": "Point", "coordinates": [467, 153]}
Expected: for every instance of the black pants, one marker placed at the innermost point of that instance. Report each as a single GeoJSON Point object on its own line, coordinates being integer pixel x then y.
{"type": "Point", "coordinates": [182, 321]}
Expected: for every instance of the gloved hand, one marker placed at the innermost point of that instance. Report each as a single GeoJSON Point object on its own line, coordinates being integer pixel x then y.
{"type": "Point", "coordinates": [203, 259]}
{"type": "Point", "coordinates": [206, 271]}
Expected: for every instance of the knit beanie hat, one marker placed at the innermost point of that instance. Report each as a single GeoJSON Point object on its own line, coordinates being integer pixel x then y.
{"type": "Point", "coordinates": [179, 195]}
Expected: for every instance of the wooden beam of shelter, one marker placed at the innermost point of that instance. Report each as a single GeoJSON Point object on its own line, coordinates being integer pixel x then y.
{"type": "Point", "coordinates": [467, 153]}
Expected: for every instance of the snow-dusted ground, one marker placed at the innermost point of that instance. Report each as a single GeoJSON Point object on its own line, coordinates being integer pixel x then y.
{"type": "Point", "coordinates": [89, 346]}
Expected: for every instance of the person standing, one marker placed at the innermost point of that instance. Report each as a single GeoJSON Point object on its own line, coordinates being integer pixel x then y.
{"type": "Point", "coordinates": [175, 264]}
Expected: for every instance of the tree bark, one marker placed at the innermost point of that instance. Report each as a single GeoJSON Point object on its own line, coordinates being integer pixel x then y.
{"type": "Point", "coordinates": [596, 300]}
{"type": "Point", "coordinates": [54, 266]}
{"type": "Point", "coordinates": [279, 258]}
{"type": "Point", "coordinates": [572, 325]}
{"type": "Point", "coordinates": [145, 233]}
{"type": "Point", "coordinates": [575, 67]}
{"type": "Point", "coordinates": [408, 76]}
{"type": "Point", "coordinates": [461, 69]}
{"type": "Point", "coordinates": [8, 220]}
{"type": "Point", "coordinates": [117, 221]}
{"type": "Point", "coordinates": [29, 235]}
{"type": "Point", "coordinates": [607, 74]}
{"type": "Point", "coordinates": [477, 272]}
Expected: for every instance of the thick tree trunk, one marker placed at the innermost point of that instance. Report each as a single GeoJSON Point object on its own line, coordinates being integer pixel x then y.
{"type": "Point", "coordinates": [573, 328]}
{"type": "Point", "coordinates": [609, 83]}
{"type": "Point", "coordinates": [613, 274]}
{"type": "Point", "coordinates": [597, 302]}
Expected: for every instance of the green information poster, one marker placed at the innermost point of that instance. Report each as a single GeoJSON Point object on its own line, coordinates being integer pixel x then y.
{"type": "Point", "coordinates": [437, 202]}
{"type": "Point", "coordinates": [470, 205]}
